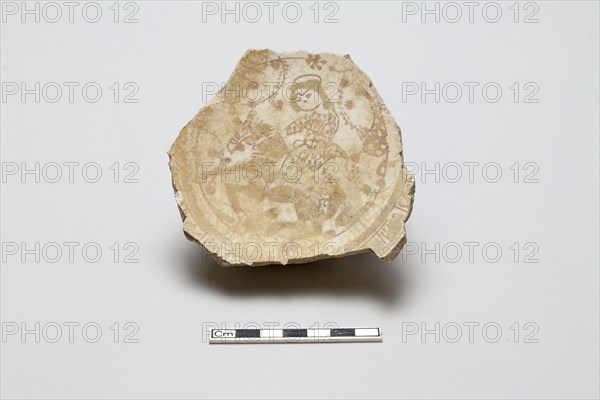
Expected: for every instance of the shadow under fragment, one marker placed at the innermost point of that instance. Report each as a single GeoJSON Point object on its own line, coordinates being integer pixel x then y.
{"type": "Point", "coordinates": [360, 274]}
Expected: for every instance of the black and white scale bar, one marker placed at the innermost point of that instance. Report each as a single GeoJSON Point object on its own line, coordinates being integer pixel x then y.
{"type": "Point", "coordinates": [309, 335]}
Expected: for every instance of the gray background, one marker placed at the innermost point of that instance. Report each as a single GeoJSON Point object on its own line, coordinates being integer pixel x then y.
{"type": "Point", "coordinates": [173, 295]}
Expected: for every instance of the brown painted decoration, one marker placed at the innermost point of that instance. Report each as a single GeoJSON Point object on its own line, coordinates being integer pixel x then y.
{"type": "Point", "coordinates": [295, 159]}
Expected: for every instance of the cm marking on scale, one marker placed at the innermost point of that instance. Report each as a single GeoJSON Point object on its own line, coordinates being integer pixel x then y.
{"type": "Point", "coordinates": [296, 335]}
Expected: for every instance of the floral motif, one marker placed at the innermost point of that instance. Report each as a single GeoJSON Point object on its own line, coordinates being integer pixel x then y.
{"type": "Point", "coordinates": [253, 129]}
{"type": "Point", "coordinates": [315, 61]}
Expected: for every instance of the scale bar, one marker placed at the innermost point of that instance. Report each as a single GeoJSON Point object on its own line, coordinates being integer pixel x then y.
{"type": "Point", "coordinates": [297, 335]}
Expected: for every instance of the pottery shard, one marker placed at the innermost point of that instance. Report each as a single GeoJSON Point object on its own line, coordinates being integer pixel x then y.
{"type": "Point", "coordinates": [295, 159]}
